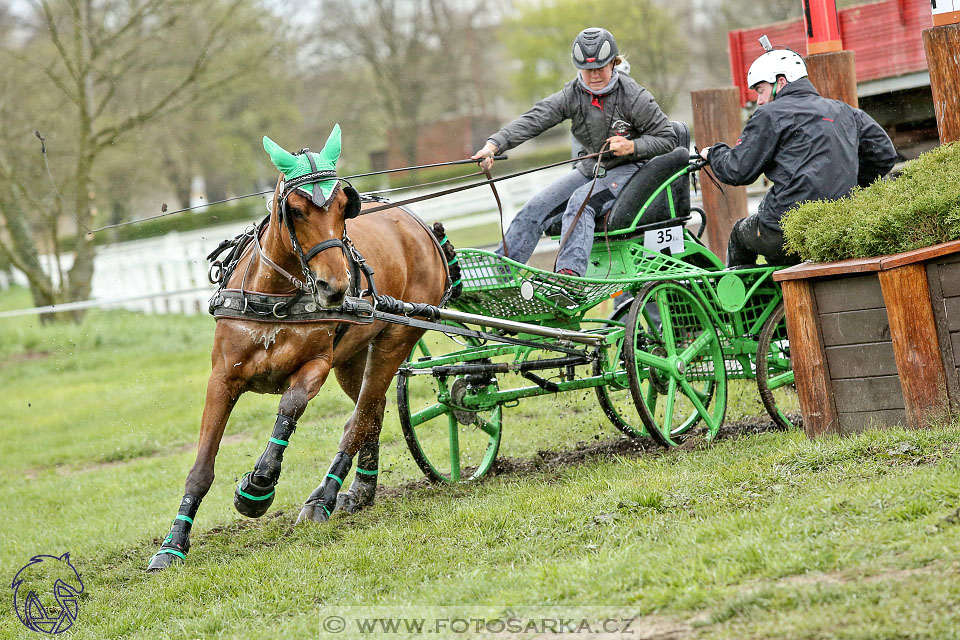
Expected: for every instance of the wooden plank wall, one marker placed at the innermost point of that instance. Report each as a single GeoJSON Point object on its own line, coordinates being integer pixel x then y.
{"type": "Point", "coordinates": [944, 278]}
{"type": "Point", "coordinates": [860, 356]}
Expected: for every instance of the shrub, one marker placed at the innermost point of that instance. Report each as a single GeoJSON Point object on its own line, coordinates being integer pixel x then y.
{"type": "Point", "coordinates": [918, 209]}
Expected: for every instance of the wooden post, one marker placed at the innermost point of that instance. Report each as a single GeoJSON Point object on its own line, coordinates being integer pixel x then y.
{"type": "Point", "coordinates": [810, 370]}
{"type": "Point", "coordinates": [916, 348]}
{"type": "Point", "coordinates": [942, 45]}
{"type": "Point", "coordinates": [834, 75]}
{"type": "Point", "coordinates": [716, 118]}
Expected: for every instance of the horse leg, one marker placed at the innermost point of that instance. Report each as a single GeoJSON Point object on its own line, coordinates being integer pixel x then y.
{"type": "Point", "coordinates": [386, 354]}
{"type": "Point", "coordinates": [257, 489]}
{"type": "Point", "coordinates": [363, 490]}
{"type": "Point", "coordinates": [220, 400]}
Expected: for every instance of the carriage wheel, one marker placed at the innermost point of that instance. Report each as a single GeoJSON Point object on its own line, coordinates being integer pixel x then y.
{"type": "Point", "coordinates": [674, 364]}
{"type": "Point", "coordinates": [449, 442]}
{"type": "Point", "coordinates": [614, 397]}
{"type": "Point", "coordinates": [775, 373]}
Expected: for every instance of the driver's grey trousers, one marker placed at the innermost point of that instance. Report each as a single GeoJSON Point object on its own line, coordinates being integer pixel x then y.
{"type": "Point", "coordinates": [563, 198]}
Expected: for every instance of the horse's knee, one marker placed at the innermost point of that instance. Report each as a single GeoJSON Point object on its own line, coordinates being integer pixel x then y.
{"type": "Point", "coordinates": [294, 402]}
{"type": "Point", "coordinates": [199, 480]}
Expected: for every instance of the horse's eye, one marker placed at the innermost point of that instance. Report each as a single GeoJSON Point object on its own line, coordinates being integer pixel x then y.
{"type": "Point", "coordinates": [297, 213]}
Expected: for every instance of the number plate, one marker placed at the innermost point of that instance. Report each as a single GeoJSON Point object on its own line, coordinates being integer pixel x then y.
{"type": "Point", "coordinates": [670, 238]}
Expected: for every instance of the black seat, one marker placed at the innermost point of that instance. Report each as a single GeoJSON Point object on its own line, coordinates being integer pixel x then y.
{"type": "Point", "coordinates": [643, 183]}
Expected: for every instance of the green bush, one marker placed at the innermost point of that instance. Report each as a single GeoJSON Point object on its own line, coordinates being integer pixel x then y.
{"type": "Point", "coordinates": [918, 209]}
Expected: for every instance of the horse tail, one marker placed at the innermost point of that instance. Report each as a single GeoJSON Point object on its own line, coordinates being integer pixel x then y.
{"type": "Point", "coordinates": [453, 263]}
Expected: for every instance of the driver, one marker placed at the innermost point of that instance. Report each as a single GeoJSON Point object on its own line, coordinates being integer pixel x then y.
{"type": "Point", "coordinates": [809, 147]}
{"type": "Point", "coordinates": [607, 108]}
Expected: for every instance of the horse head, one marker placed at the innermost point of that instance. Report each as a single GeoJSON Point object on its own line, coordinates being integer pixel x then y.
{"type": "Point", "coordinates": [313, 205]}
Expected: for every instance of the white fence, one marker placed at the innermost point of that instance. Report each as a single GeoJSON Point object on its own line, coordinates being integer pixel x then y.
{"type": "Point", "coordinates": [168, 274]}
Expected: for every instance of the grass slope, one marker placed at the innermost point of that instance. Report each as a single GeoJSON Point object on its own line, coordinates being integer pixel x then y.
{"type": "Point", "coordinates": [762, 536]}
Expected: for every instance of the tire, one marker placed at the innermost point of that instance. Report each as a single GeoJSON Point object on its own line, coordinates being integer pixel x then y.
{"type": "Point", "coordinates": [448, 443]}
{"type": "Point", "coordinates": [775, 372]}
{"type": "Point", "coordinates": [675, 367]}
{"type": "Point", "coordinates": [614, 397]}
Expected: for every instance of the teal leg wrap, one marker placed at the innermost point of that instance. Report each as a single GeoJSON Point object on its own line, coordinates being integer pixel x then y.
{"type": "Point", "coordinates": [321, 503]}
{"type": "Point", "coordinates": [363, 490]}
{"type": "Point", "coordinates": [256, 491]}
{"type": "Point", "coordinates": [177, 543]}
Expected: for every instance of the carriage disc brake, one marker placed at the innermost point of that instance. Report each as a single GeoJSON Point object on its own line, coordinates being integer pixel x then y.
{"type": "Point", "coordinates": [458, 391]}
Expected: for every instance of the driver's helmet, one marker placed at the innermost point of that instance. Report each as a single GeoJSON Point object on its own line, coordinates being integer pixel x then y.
{"type": "Point", "coordinates": [594, 48]}
{"type": "Point", "coordinates": [779, 62]}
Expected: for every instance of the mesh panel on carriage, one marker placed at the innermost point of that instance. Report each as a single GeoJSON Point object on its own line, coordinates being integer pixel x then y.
{"type": "Point", "coordinates": [643, 183]}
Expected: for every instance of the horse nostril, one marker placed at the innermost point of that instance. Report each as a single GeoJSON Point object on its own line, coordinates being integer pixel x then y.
{"type": "Point", "coordinates": [332, 295]}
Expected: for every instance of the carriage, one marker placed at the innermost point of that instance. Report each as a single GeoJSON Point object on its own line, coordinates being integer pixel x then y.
{"type": "Point", "coordinates": [659, 365]}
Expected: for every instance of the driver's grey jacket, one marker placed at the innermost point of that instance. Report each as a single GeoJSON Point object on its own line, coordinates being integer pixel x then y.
{"type": "Point", "coordinates": [810, 147]}
{"type": "Point", "coordinates": [628, 110]}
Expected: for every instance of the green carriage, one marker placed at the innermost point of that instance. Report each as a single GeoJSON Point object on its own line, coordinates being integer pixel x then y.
{"type": "Point", "coordinates": [659, 366]}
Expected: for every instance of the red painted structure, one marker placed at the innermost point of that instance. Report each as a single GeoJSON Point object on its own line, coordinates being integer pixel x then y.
{"type": "Point", "coordinates": [886, 37]}
{"type": "Point", "coordinates": [822, 25]}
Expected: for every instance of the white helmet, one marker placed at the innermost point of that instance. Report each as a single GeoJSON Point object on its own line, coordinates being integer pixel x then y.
{"type": "Point", "coordinates": [779, 62]}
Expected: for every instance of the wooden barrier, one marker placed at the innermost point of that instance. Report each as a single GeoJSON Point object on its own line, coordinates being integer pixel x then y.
{"type": "Point", "coordinates": [875, 341]}
{"type": "Point", "coordinates": [716, 118]}
{"type": "Point", "coordinates": [834, 75]}
{"type": "Point", "coordinates": [942, 45]}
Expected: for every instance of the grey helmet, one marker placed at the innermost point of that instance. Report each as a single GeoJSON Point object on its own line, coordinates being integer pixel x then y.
{"type": "Point", "coordinates": [594, 48]}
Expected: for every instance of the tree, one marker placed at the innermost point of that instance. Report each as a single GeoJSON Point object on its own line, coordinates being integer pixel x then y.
{"type": "Point", "coordinates": [104, 70]}
{"type": "Point", "coordinates": [423, 56]}
{"type": "Point", "coordinates": [539, 39]}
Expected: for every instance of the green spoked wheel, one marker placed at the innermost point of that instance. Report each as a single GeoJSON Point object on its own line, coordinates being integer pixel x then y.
{"type": "Point", "coordinates": [614, 397]}
{"type": "Point", "coordinates": [674, 363]}
{"type": "Point", "coordinates": [451, 425]}
{"type": "Point", "coordinates": [775, 373]}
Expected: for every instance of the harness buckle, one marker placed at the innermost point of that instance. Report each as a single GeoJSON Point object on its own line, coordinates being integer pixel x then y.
{"type": "Point", "coordinates": [275, 314]}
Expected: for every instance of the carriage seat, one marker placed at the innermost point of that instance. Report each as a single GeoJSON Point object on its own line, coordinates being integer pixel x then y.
{"type": "Point", "coordinates": [643, 183]}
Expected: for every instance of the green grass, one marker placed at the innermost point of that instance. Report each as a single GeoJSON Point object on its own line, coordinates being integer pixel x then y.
{"type": "Point", "coordinates": [761, 536]}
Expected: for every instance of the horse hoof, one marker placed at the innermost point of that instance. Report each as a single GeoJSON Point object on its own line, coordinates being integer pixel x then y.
{"type": "Point", "coordinates": [252, 500]}
{"type": "Point", "coordinates": [162, 561]}
{"type": "Point", "coordinates": [314, 512]}
{"type": "Point", "coordinates": [351, 502]}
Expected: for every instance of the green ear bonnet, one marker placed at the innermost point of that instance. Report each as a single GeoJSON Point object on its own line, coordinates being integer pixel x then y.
{"type": "Point", "coordinates": [313, 174]}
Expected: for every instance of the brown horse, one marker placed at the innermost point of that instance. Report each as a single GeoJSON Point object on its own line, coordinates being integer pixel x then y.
{"type": "Point", "coordinates": [294, 356]}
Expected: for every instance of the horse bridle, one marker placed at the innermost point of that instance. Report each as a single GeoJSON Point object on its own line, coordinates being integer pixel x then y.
{"type": "Point", "coordinates": [285, 217]}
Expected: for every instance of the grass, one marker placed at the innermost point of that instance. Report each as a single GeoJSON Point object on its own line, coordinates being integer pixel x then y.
{"type": "Point", "coordinates": [760, 536]}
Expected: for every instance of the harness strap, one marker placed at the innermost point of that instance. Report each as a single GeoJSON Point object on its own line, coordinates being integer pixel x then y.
{"type": "Point", "coordinates": [583, 205]}
{"type": "Point", "coordinates": [496, 196]}
{"type": "Point", "coordinates": [478, 184]}
{"type": "Point", "coordinates": [326, 244]}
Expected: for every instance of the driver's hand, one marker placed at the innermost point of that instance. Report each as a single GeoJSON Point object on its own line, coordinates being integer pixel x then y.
{"type": "Point", "coordinates": [620, 146]}
{"type": "Point", "coordinates": [705, 153]}
{"type": "Point", "coordinates": [485, 156]}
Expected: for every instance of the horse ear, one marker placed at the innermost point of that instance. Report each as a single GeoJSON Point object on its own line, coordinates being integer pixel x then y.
{"type": "Point", "coordinates": [281, 158]}
{"type": "Point", "coordinates": [331, 149]}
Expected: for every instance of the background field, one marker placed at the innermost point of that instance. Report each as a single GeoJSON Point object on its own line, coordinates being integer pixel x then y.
{"type": "Point", "coordinates": [761, 534]}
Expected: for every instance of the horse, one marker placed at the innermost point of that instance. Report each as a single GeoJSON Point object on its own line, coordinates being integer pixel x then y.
{"type": "Point", "coordinates": [282, 334]}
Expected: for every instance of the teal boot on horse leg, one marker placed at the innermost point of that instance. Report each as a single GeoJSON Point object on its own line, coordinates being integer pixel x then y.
{"type": "Point", "coordinates": [177, 543]}
{"type": "Point", "coordinates": [256, 491]}
{"type": "Point", "coordinates": [321, 503]}
{"type": "Point", "coordinates": [363, 489]}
